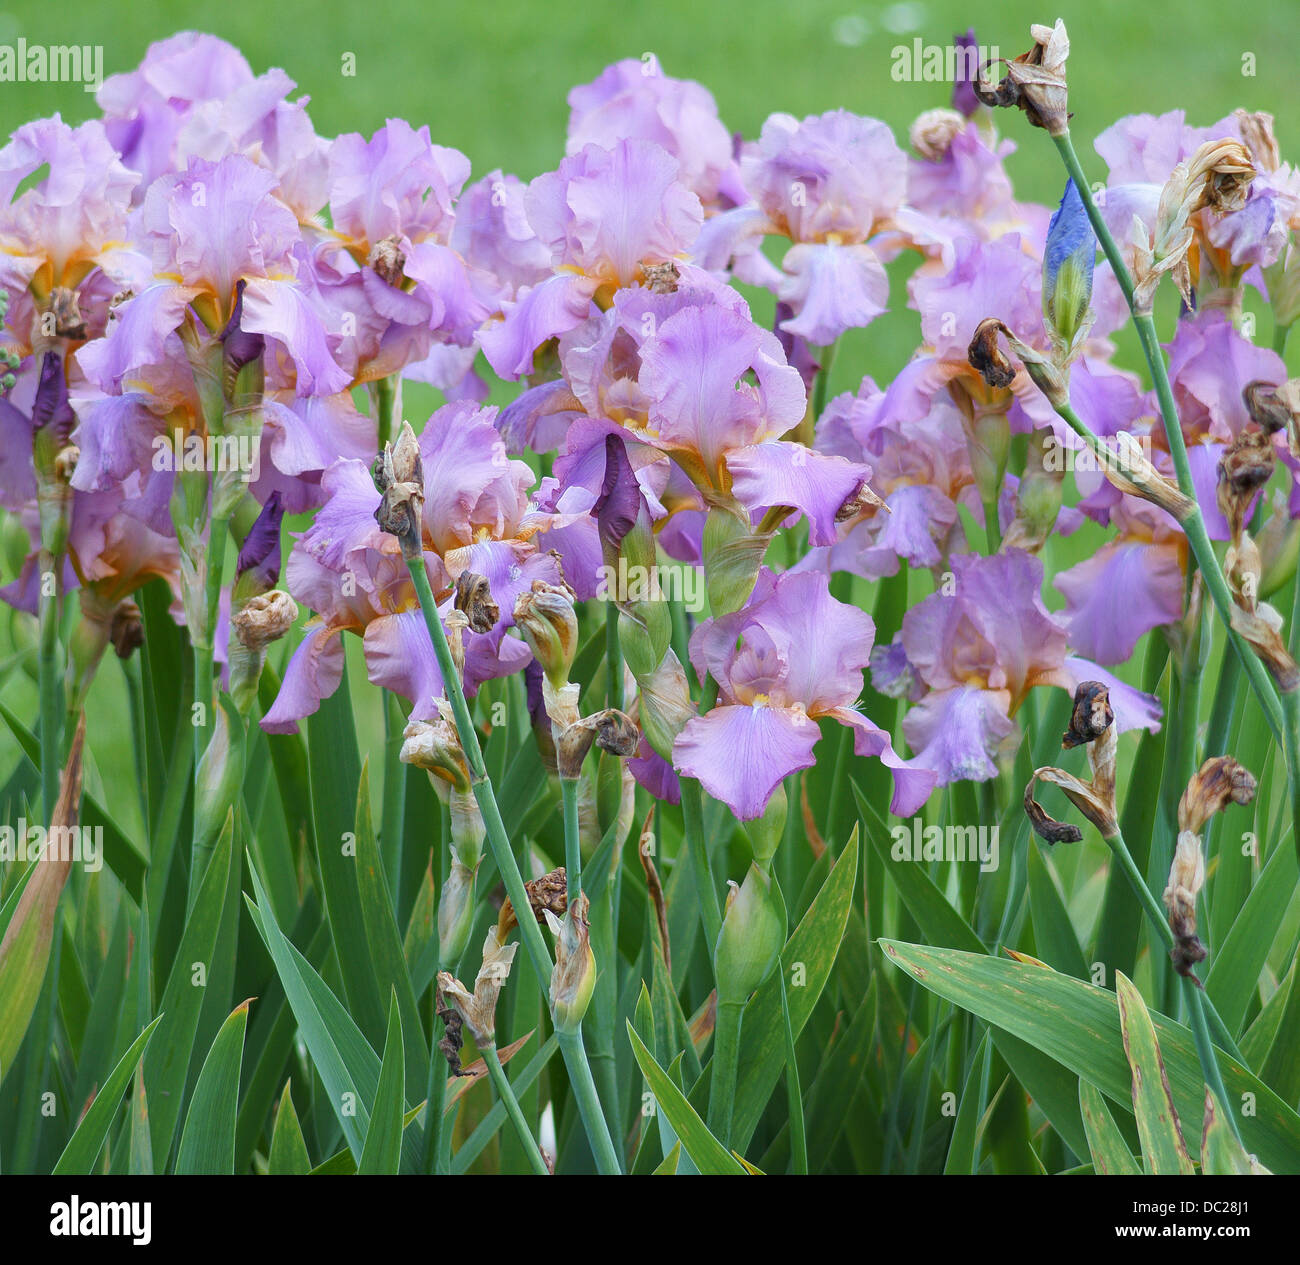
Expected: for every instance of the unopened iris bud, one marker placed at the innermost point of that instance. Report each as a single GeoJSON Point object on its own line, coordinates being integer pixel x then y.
{"type": "Point", "coordinates": [573, 980]}
{"type": "Point", "coordinates": [220, 774]}
{"type": "Point", "coordinates": [455, 910]}
{"type": "Point", "coordinates": [766, 832]}
{"type": "Point", "coordinates": [257, 569]}
{"type": "Point", "coordinates": [1039, 496]}
{"type": "Point", "coordinates": [1068, 263]}
{"type": "Point", "coordinates": [545, 617]}
{"type": "Point", "coordinates": [752, 936]}
{"type": "Point", "coordinates": [399, 476]}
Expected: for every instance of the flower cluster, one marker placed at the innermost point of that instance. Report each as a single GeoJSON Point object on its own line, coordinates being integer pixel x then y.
{"type": "Point", "coordinates": [213, 309]}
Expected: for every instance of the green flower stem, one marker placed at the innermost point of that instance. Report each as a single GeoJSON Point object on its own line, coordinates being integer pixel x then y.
{"type": "Point", "coordinates": [613, 657]}
{"type": "Point", "coordinates": [575, 1055]}
{"type": "Point", "coordinates": [726, 1056]}
{"type": "Point", "coordinates": [507, 1095]}
{"type": "Point", "coordinates": [697, 846]}
{"type": "Point", "coordinates": [572, 845]}
{"type": "Point", "coordinates": [385, 397]}
{"type": "Point", "coordinates": [1194, 527]}
{"type": "Point", "coordinates": [435, 1098]}
{"type": "Point", "coordinates": [51, 702]}
{"type": "Point", "coordinates": [584, 1092]}
{"type": "Point", "coordinates": [1196, 1005]}
{"type": "Point", "coordinates": [1153, 910]}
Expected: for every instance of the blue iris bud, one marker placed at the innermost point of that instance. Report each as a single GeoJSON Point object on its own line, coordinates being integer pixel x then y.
{"type": "Point", "coordinates": [1067, 269]}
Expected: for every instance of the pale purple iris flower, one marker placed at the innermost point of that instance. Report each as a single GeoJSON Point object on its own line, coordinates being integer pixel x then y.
{"type": "Point", "coordinates": [606, 215]}
{"type": "Point", "coordinates": [713, 391]}
{"type": "Point", "coordinates": [477, 518]}
{"type": "Point", "coordinates": [790, 656]}
{"type": "Point", "coordinates": [1135, 582]}
{"type": "Point", "coordinates": [195, 96]}
{"type": "Point", "coordinates": [832, 184]}
{"type": "Point", "coordinates": [208, 229]}
{"type": "Point", "coordinates": [920, 470]}
{"type": "Point", "coordinates": [977, 647]}
{"type": "Point", "coordinates": [634, 98]}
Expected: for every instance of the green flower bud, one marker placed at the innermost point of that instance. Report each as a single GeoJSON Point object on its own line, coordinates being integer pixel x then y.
{"type": "Point", "coordinates": [220, 774]}
{"type": "Point", "coordinates": [766, 832]}
{"type": "Point", "coordinates": [574, 979]}
{"type": "Point", "coordinates": [548, 623]}
{"type": "Point", "coordinates": [752, 936]}
{"type": "Point", "coordinates": [733, 554]}
{"type": "Point", "coordinates": [455, 911]}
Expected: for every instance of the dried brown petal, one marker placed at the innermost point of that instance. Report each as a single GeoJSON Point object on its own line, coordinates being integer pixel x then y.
{"type": "Point", "coordinates": [126, 630]}
{"type": "Point", "coordinates": [1035, 81]}
{"type": "Point", "coordinates": [66, 309]}
{"type": "Point", "coordinates": [1219, 782]}
{"type": "Point", "coordinates": [388, 260]}
{"type": "Point", "coordinates": [662, 278]}
{"type": "Point", "coordinates": [933, 133]}
{"type": "Point", "coordinates": [1045, 826]}
{"type": "Point", "coordinates": [1257, 132]}
{"type": "Point", "coordinates": [1092, 714]}
{"type": "Point", "coordinates": [474, 598]}
{"type": "Point", "coordinates": [611, 730]}
{"type": "Point", "coordinates": [986, 357]}
{"type": "Point", "coordinates": [1261, 629]}
{"type": "Point", "coordinates": [1265, 406]}
{"type": "Point", "coordinates": [399, 475]}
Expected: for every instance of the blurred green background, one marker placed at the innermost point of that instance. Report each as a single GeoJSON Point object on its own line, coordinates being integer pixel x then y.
{"type": "Point", "coordinates": [492, 78]}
